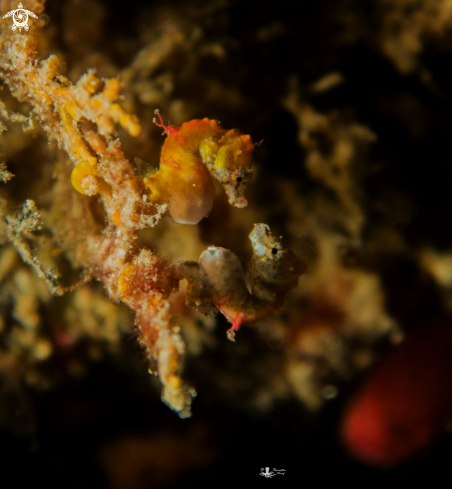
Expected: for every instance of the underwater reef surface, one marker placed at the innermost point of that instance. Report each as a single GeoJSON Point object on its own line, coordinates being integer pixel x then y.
{"type": "Point", "coordinates": [276, 267]}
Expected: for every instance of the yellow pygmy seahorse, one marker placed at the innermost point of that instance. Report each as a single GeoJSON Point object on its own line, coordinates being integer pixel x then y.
{"type": "Point", "coordinates": [192, 155]}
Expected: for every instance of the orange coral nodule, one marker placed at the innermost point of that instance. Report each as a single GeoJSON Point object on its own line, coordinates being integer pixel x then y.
{"type": "Point", "coordinates": [128, 121]}
{"type": "Point", "coordinates": [112, 88]}
{"type": "Point", "coordinates": [134, 281]}
{"type": "Point", "coordinates": [134, 277]}
{"type": "Point", "coordinates": [116, 218]}
{"type": "Point", "coordinates": [174, 380]}
{"type": "Point", "coordinates": [95, 142]}
{"type": "Point", "coordinates": [124, 281]}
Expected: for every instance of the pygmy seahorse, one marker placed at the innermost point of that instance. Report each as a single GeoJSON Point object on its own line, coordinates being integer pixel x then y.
{"type": "Point", "coordinates": [192, 155]}
{"type": "Point", "coordinates": [218, 278]}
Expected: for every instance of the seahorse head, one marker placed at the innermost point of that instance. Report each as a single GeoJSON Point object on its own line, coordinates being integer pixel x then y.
{"type": "Point", "coordinates": [235, 151]}
{"type": "Point", "coordinates": [273, 269]}
{"type": "Point", "coordinates": [228, 159]}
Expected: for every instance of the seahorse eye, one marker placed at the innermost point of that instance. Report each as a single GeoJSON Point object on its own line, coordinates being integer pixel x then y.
{"type": "Point", "coordinates": [239, 179]}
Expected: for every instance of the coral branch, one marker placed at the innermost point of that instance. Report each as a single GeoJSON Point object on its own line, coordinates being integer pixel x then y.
{"type": "Point", "coordinates": [100, 168]}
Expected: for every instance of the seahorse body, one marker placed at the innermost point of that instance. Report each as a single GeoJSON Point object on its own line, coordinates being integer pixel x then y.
{"type": "Point", "coordinates": [192, 155]}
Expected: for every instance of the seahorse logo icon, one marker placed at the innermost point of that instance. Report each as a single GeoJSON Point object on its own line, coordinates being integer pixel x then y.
{"type": "Point", "coordinates": [20, 17]}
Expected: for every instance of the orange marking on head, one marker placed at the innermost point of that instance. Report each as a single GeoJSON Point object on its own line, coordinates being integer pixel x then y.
{"type": "Point", "coordinates": [174, 164]}
{"type": "Point", "coordinates": [171, 163]}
